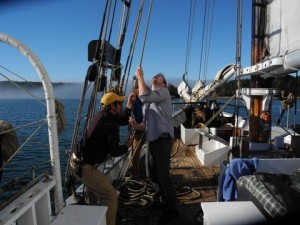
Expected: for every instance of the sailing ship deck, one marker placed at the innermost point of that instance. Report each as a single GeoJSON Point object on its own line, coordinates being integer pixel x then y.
{"type": "Point", "coordinates": [195, 184]}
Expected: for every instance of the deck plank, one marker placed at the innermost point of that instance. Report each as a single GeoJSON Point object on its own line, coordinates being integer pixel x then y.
{"type": "Point", "coordinates": [187, 171]}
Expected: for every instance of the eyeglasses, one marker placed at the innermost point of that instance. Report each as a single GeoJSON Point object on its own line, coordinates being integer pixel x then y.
{"type": "Point", "coordinates": [119, 103]}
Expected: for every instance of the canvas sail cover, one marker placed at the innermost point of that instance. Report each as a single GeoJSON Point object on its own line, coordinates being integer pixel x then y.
{"type": "Point", "coordinates": [282, 27]}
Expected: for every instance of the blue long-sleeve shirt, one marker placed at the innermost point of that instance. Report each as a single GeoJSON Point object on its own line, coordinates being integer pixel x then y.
{"type": "Point", "coordinates": [157, 113]}
{"type": "Point", "coordinates": [138, 110]}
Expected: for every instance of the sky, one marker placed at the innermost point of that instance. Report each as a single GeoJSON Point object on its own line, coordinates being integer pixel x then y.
{"type": "Point", "coordinates": [58, 32]}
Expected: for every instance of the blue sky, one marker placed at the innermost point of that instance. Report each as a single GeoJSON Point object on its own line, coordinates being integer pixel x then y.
{"type": "Point", "coordinates": [59, 31]}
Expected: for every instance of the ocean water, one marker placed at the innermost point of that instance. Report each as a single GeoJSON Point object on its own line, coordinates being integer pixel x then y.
{"type": "Point", "coordinates": [33, 158]}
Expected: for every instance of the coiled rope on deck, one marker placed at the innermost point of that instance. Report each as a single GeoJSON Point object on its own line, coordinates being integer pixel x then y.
{"type": "Point", "coordinates": [137, 196]}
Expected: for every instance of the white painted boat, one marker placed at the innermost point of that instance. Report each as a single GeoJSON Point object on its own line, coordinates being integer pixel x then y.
{"type": "Point", "coordinates": [34, 205]}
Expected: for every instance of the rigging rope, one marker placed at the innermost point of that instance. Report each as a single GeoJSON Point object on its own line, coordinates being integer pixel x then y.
{"type": "Point", "coordinates": [295, 111]}
{"type": "Point", "coordinates": [132, 48]}
{"type": "Point", "coordinates": [21, 88]}
{"type": "Point", "coordinates": [190, 35]}
{"type": "Point", "coordinates": [99, 43]}
{"type": "Point", "coordinates": [121, 38]}
{"type": "Point", "coordinates": [76, 129]}
{"type": "Point", "coordinates": [134, 81]}
{"type": "Point", "coordinates": [28, 139]}
{"type": "Point", "coordinates": [238, 62]}
{"type": "Point", "coordinates": [205, 37]}
{"type": "Point", "coordinates": [144, 41]}
{"type": "Point", "coordinates": [287, 99]}
{"type": "Point", "coordinates": [146, 32]}
{"type": "Point", "coordinates": [112, 20]}
{"type": "Point", "coordinates": [101, 68]}
{"type": "Point", "coordinates": [143, 137]}
{"type": "Point", "coordinates": [202, 41]}
{"type": "Point", "coordinates": [208, 39]}
{"type": "Point", "coordinates": [59, 108]}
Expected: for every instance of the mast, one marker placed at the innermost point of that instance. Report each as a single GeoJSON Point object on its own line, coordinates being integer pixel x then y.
{"type": "Point", "coordinates": [275, 53]}
{"type": "Point", "coordinates": [260, 110]}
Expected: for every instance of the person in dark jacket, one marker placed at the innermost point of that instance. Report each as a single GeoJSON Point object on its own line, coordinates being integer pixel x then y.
{"type": "Point", "coordinates": [101, 141]}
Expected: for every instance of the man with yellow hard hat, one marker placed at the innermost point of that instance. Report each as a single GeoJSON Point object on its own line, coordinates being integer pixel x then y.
{"type": "Point", "coordinates": [100, 141]}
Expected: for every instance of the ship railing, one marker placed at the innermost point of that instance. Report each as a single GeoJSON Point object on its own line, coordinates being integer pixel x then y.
{"type": "Point", "coordinates": [32, 205]}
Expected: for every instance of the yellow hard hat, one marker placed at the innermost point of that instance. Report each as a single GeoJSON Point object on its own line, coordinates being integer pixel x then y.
{"type": "Point", "coordinates": [111, 97]}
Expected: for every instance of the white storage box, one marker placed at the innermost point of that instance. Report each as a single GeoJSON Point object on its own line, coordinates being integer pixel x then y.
{"type": "Point", "coordinates": [192, 136]}
{"type": "Point", "coordinates": [223, 132]}
{"type": "Point", "coordinates": [212, 152]}
{"type": "Point", "coordinates": [78, 214]}
{"type": "Point", "coordinates": [231, 213]}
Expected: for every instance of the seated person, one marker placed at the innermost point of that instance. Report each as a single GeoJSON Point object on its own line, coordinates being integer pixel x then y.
{"type": "Point", "coordinates": [198, 118]}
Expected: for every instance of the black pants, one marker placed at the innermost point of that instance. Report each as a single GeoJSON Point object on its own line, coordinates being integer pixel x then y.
{"type": "Point", "coordinates": [160, 150]}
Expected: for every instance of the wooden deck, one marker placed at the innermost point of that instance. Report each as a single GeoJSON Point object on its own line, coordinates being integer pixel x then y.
{"type": "Point", "coordinates": [195, 184]}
